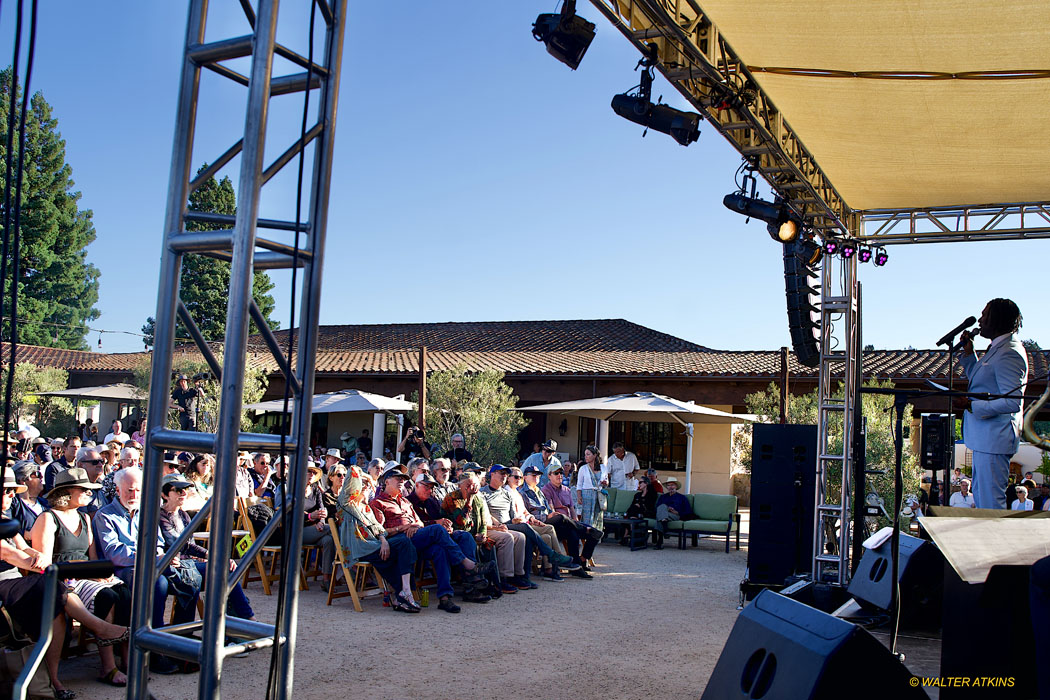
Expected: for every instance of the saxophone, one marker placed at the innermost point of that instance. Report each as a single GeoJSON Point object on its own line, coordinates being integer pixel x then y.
{"type": "Point", "coordinates": [1029, 421]}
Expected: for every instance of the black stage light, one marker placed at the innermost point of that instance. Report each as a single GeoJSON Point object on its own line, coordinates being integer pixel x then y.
{"type": "Point", "coordinates": [864, 254]}
{"type": "Point", "coordinates": [683, 127]}
{"type": "Point", "coordinates": [881, 257]}
{"type": "Point", "coordinates": [848, 250]}
{"type": "Point", "coordinates": [809, 251]}
{"type": "Point", "coordinates": [783, 225]}
{"type": "Point", "coordinates": [566, 35]}
{"type": "Point", "coordinates": [831, 246]}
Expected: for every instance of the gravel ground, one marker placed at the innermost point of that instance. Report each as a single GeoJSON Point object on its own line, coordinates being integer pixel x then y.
{"type": "Point", "coordinates": [651, 623]}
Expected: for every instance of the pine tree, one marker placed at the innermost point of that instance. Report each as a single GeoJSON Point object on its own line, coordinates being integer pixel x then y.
{"type": "Point", "coordinates": [57, 287]}
{"type": "Point", "coordinates": [205, 283]}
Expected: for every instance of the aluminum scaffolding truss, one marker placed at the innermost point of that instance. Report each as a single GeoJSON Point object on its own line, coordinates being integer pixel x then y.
{"type": "Point", "coordinates": [237, 243]}
{"type": "Point", "coordinates": [836, 395]}
{"type": "Point", "coordinates": [990, 222]}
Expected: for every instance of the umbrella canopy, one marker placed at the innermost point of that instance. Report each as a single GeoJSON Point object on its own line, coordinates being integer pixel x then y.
{"type": "Point", "coordinates": [107, 392]}
{"type": "Point", "coordinates": [346, 401]}
{"type": "Point", "coordinates": [640, 406]}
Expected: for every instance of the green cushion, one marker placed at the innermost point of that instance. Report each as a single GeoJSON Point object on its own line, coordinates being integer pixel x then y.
{"type": "Point", "coordinates": [718, 526]}
{"type": "Point", "coordinates": [710, 506]}
{"type": "Point", "coordinates": [619, 500]}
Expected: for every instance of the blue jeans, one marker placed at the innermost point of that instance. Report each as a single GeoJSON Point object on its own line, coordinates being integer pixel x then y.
{"type": "Point", "coordinates": [402, 560]}
{"type": "Point", "coordinates": [237, 603]}
{"type": "Point", "coordinates": [434, 543]}
{"type": "Point", "coordinates": [160, 597]}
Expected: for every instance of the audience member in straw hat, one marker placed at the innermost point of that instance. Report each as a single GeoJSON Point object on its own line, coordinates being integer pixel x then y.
{"type": "Point", "coordinates": [331, 458]}
{"type": "Point", "coordinates": [365, 537]}
{"type": "Point", "coordinates": [63, 533]}
{"type": "Point", "coordinates": [170, 464]}
{"type": "Point", "coordinates": [671, 506]}
{"type": "Point", "coordinates": [173, 520]}
{"type": "Point", "coordinates": [23, 594]}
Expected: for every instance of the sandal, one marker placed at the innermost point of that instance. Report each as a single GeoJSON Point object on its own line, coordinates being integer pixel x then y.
{"type": "Point", "coordinates": [108, 679]}
{"type": "Point", "coordinates": [115, 640]}
{"type": "Point", "coordinates": [412, 605]}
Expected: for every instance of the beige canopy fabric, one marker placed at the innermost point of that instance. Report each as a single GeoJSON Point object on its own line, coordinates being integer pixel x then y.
{"type": "Point", "coordinates": [894, 143]}
{"type": "Point", "coordinates": [106, 392]}
{"type": "Point", "coordinates": [639, 406]}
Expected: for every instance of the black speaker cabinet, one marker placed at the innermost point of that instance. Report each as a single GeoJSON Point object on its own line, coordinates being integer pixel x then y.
{"type": "Point", "coordinates": [921, 574]}
{"type": "Point", "coordinates": [780, 649]}
{"type": "Point", "coordinates": [783, 469]}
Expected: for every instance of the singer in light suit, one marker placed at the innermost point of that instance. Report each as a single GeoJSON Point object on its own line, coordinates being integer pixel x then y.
{"type": "Point", "coordinates": [992, 428]}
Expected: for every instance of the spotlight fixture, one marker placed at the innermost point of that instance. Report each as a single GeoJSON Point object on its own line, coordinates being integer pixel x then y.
{"type": "Point", "coordinates": [683, 127]}
{"type": "Point", "coordinates": [864, 254]}
{"type": "Point", "coordinates": [831, 246]}
{"type": "Point", "coordinates": [848, 250]}
{"type": "Point", "coordinates": [808, 251]}
{"type": "Point", "coordinates": [566, 35]}
{"type": "Point", "coordinates": [881, 257]}
{"type": "Point", "coordinates": [782, 223]}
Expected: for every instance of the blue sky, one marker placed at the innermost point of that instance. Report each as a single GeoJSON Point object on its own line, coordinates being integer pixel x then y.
{"type": "Point", "coordinates": [475, 178]}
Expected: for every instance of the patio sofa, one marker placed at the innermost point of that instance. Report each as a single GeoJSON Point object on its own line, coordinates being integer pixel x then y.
{"type": "Point", "coordinates": [716, 515]}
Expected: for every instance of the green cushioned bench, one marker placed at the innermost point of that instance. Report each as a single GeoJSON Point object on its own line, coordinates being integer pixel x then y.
{"type": "Point", "coordinates": [715, 515]}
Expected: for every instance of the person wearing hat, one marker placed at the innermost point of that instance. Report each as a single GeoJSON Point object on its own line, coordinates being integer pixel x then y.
{"type": "Point", "coordinates": [23, 594]}
{"type": "Point", "coordinates": [63, 533]}
{"type": "Point", "coordinates": [428, 508]}
{"type": "Point", "coordinates": [187, 401]}
{"type": "Point", "coordinates": [545, 460]}
{"type": "Point", "coordinates": [560, 501]}
{"type": "Point", "coordinates": [349, 443]}
{"type": "Point", "coordinates": [569, 531]}
{"type": "Point", "coordinates": [27, 505]}
{"type": "Point", "coordinates": [431, 541]}
{"type": "Point", "coordinates": [363, 534]}
{"type": "Point", "coordinates": [671, 506]}
{"type": "Point", "coordinates": [42, 453]}
{"type": "Point", "coordinates": [442, 471]}
{"type": "Point", "coordinates": [173, 520]}
{"type": "Point", "coordinates": [546, 533]}
{"type": "Point", "coordinates": [169, 465]}
{"type": "Point", "coordinates": [331, 458]}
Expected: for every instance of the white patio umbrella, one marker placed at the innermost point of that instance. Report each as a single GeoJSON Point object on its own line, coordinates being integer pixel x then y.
{"type": "Point", "coordinates": [345, 401]}
{"type": "Point", "coordinates": [645, 406]}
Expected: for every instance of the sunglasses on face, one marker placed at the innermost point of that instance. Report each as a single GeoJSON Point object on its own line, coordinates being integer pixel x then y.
{"type": "Point", "coordinates": [96, 462]}
{"type": "Point", "coordinates": [10, 492]}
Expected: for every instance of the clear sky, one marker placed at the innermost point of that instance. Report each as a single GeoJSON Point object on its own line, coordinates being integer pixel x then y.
{"type": "Point", "coordinates": [476, 178]}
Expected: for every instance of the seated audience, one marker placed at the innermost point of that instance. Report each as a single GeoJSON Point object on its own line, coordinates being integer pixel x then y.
{"type": "Point", "coordinates": [173, 520]}
{"type": "Point", "coordinates": [27, 506]}
{"type": "Point", "coordinates": [89, 459]}
{"type": "Point", "coordinates": [671, 506]}
{"type": "Point", "coordinates": [442, 472]}
{"type": "Point", "coordinates": [199, 475]}
{"type": "Point", "coordinates": [643, 505]}
{"type": "Point", "coordinates": [553, 504]}
{"type": "Point", "coordinates": [431, 541]}
{"type": "Point", "coordinates": [547, 534]}
{"type": "Point", "coordinates": [1023, 502]}
{"type": "Point", "coordinates": [364, 536]}
{"type": "Point", "coordinates": [467, 510]}
{"type": "Point", "coordinates": [962, 498]}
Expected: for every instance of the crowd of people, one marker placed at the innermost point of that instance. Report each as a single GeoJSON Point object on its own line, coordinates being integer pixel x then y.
{"type": "Point", "coordinates": [480, 530]}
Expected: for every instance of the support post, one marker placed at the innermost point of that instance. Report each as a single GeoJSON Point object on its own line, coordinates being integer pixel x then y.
{"type": "Point", "coordinates": [603, 438]}
{"type": "Point", "coordinates": [784, 389]}
{"type": "Point", "coordinates": [378, 435]}
{"type": "Point", "coordinates": [422, 404]}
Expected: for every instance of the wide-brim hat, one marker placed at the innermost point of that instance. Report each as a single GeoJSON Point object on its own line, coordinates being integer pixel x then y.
{"type": "Point", "coordinates": [345, 436]}
{"type": "Point", "coordinates": [74, 476]}
{"type": "Point", "coordinates": [550, 445]}
{"type": "Point", "coordinates": [674, 481]}
{"type": "Point", "coordinates": [316, 473]}
{"type": "Point", "coordinates": [11, 483]}
{"type": "Point", "coordinates": [333, 452]}
{"type": "Point", "coordinates": [39, 441]}
{"type": "Point", "coordinates": [170, 458]}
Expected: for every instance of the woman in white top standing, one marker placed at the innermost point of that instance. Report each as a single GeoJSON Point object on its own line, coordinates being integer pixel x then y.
{"type": "Point", "coordinates": [1023, 502]}
{"type": "Point", "coordinates": [588, 486]}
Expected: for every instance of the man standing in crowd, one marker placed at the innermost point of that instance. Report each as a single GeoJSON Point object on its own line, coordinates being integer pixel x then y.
{"type": "Point", "coordinates": [186, 401]}
{"type": "Point", "coordinates": [116, 433]}
{"type": "Point", "coordinates": [544, 460]}
{"type": "Point", "coordinates": [364, 443]}
{"type": "Point", "coordinates": [459, 453]}
{"type": "Point", "coordinates": [992, 428]}
{"type": "Point", "coordinates": [414, 444]}
{"type": "Point", "coordinates": [616, 469]}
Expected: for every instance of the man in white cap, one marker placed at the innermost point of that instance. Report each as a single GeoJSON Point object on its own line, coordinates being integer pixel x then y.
{"type": "Point", "coordinates": [331, 458]}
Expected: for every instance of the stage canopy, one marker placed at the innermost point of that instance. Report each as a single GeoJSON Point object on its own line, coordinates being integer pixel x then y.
{"type": "Point", "coordinates": [907, 104]}
{"type": "Point", "coordinates": [347, 401]}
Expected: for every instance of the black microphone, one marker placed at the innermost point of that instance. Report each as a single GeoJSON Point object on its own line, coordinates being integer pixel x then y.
{"type": "Point", "coordinates": [956, 331]}
{"type": "Point", "coordinates": [972, 333]}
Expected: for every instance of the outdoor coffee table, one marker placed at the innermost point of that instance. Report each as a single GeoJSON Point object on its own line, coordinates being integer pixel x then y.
{"type": "Point", "coordinates": [637, 532]}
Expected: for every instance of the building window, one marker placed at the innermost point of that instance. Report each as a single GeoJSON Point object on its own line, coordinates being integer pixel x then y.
{"type": "Point", "coordinates": [658, 445]}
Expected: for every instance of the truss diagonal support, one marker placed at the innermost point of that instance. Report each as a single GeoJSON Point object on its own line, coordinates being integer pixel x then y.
{"type": "Point", "coordinates": [206, 641]}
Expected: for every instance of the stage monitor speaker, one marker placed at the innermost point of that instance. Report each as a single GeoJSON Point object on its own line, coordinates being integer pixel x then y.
{"type": "Point", "coordinates": [921, 574]}
{"type": "Point", "coordinates": [782, 649]}
{"type": "Point", "coordinates": [936, 438]}
{"type": "Point", "coordinates": [783, 470]}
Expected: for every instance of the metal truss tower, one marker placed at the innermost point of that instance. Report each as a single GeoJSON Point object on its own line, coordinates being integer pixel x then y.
{"type": "Point", "coordinates": [237, 242]}
{"type": "Point", "coordinates": [836, 395]}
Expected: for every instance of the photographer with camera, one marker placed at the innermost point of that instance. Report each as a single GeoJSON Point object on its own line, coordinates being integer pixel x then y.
{"type": "Point", "coordinates": [414, 445]}
{"type": "Point", "coordinates": [186, 400]}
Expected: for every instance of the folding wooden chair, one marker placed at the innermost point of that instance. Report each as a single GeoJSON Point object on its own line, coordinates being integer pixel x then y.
{"type": "Point", "coordinates": [266, 577]}
{"type": "Point", "coordinates": [356, 581]}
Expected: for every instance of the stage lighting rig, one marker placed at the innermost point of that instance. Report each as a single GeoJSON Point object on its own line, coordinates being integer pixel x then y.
{"type": "Point", "coordinates": [881, 257]}
{"type": "Point", "coordinates": [864, 254]}
{"type": "Point", "coordinates": [683, 127]}
{"type": "Point", "coordinates": [783, 224]}
{"type": "Point", "coordinates": [831, 246]}
{"type": "Point", "coordinates": [566, 35]}
{"type": "Point", "coordinates": [848, 249]}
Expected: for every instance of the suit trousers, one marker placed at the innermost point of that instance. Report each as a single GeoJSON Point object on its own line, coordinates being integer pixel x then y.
{"type": "Point", "coordinates": [990, 474]}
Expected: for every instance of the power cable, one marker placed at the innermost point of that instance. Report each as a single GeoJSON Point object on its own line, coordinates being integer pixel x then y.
{"type": "Point", "coordinates": [294, 466]}
{"type": "Point", "coordinates": [16, 220]}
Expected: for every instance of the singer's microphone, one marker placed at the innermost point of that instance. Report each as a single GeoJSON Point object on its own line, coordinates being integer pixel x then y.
{"type": "Point", "coordinates": [972, 333]}
{"type": "Point", "coordinates": [956, 331]}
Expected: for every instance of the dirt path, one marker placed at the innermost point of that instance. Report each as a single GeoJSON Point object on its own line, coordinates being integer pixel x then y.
{"type": "Point", "coordinates": [651, 623]}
